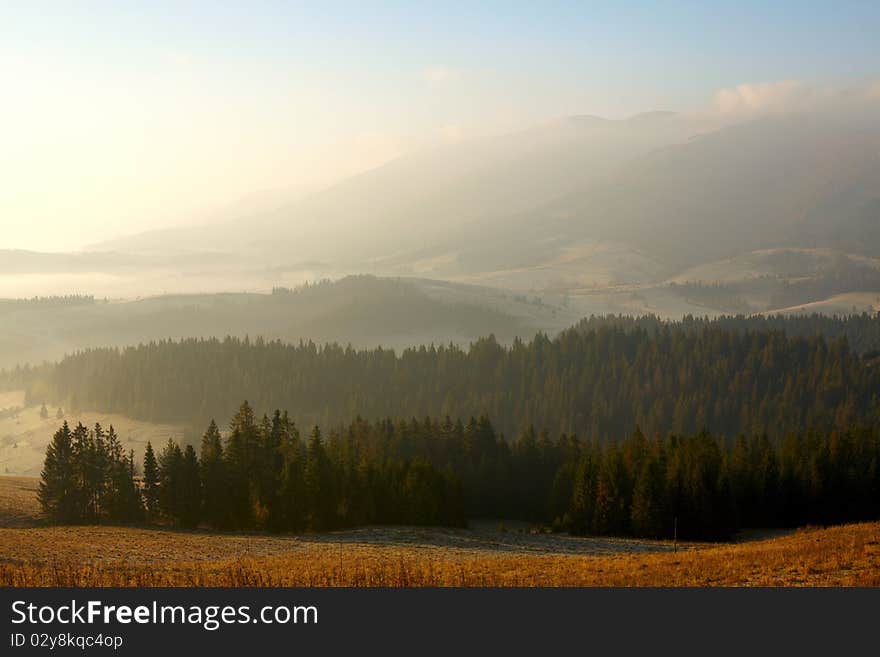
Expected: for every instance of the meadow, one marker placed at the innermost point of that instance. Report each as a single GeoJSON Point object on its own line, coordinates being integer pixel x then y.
{"type": "Point", "coordinates": [24, 434]}
{"type": "Point", "coordinates": [486, 555]}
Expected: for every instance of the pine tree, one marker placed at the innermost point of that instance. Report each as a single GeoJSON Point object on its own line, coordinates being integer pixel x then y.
{"type": "Point", "coordinates": [44, 412]}
{"type": "Point", "coordinates": [611, 515]}
{"type": "Point", "coordinates": [241, 453]}
{"type": "Point", "coordinates": [89, 459]}
{"type": "Point", "coordinates": [215, 487]}
{"type": "Point", "coordinates": [276, 439]}
{"type": "Point", "coordinates": [583, 496]}
{"type": "Point", "coordinates": [57, 493]}
{"type": "Point", "coordinates": [134, 498]}
{"type": "Point", "coordinates": [151, 483]}
{"type": "Point", "coordinates": [190, 502]}
{"type": "Point", "coordinates": [318, 479]}
{"type": "Point", "coordinates": [648, 506]}
{"type": "Point", "coordinates": [170, 481]}
{"type": "Point", "coordinates": [292, 494]}
{"type": "Point", "coordinates": [126, 504]}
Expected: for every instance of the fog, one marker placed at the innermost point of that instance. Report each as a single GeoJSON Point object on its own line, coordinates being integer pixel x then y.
{"type": "Point", "coordinates": [591, 177]}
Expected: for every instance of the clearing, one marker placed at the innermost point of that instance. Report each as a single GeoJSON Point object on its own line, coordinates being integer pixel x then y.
{"type": "Point", "coordinates": [24, 435]}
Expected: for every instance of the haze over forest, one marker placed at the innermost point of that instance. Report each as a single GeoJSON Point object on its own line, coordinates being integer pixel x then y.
{"type": "Point", "coordinates": [661, 213]}
{"type": "Point", "coordinates": [478, 196]}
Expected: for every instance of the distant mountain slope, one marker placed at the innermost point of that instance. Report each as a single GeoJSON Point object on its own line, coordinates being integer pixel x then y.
{"type": "Point", "coordinates": [362, 310]}
{"type": "Point", "coordinates": [603, 210]}
{"type": "Point", "coordinates": [436, 200]}
{"type": "Point", "coordinates": [673, 187]}
{"type": "Point", "coordinates": [795, 180]}
{"type": "Point", "coordinates": [13, 261]}
{"type": "Point", "coordinates": [840, 304]}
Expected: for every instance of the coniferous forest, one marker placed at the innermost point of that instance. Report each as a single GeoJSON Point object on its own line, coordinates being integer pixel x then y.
{"type": "Point", "coordinates": [599, 380]}
{"type": "Point", "coordinates": [264, 475]}
{"type": "Point", "coordinates": [619, 426]}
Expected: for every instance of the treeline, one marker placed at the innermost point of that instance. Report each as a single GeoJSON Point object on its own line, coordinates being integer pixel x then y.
{"type": "Point", "coordinates": [47, 302]}
{"type": "Point", "coordinates": [264, 475]}
{"type": "Point", "coordinates": [87, 478]}
{"type": "Point", "coordinates": [792, 289]}
{"type": "Point", "coordinates": [843, 275]}
{"type": "Point", "coordinates": [709, 489]}
{"type": "Point", "coordinates": [598, 382]}
{"type": "Point", "coordinates": [720, 296]}
{"type": "Point", "coordinates": [860, 330]}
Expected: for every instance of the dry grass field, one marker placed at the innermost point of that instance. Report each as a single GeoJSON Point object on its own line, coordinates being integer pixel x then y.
{"type": "Point", "coordinates": [24, 435]}
{"type": "Point", "coordinates": [18, 501]}
{"type": "Point", "coordinates": [404, 556]}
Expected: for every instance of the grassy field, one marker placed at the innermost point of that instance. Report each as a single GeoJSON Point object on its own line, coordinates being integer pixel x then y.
{"type": "Point", "coordinates": [18, 502]}
{"type": "Point", "coordinates": [31, 555]}
{"type": "Point", "coordinates": [24, 435]}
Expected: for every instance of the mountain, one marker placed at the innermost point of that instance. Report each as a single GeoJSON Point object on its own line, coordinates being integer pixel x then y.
{"type": "Point", "coordinates": [360, 310]}
{"type": "Point", "coordinates": [799, 180]}
{"type": "Point", "coordinates": [665, 191]}
{"type": "Point", "coordinates": [429, 203]}
{"type": "Point", "coordinates": [655, 213]}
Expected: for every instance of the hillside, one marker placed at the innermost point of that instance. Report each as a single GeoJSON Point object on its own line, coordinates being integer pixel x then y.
{"type": "Point", "coordinates": [436, 198]}
{"type": "Point", "coordinates": [99, 556]}
{"type": "Point", "coordinates": [606, 213]}
{"type": "Point", "coordinates": [364, 311]}
{"type": "Point", "coordinates": [732, 376]}
{"type": "Point", "coordinates": [583, 201]}
{"type": "Point", "coordinates": [805, 180]}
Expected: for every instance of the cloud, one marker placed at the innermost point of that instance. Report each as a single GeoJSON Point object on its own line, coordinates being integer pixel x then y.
{"type": "Point", "coordinates": [766, 98]}
{"type": "Point", "coordinates": [748, 101]}
{"type": "Point", "coordinates": [439, 74]}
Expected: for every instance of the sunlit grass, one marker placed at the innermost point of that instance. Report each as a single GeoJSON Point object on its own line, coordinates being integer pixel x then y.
{"type": "Point", "coordinates": [847, 555]}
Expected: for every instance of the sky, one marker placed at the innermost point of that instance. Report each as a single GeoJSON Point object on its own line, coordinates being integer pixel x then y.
{"type": "Point", "coordinates": [118, 117]}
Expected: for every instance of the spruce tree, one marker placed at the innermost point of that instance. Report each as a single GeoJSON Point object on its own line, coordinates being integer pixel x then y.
{"type": "Point", "coordinates": [649, 518]}
{"type": "Point", "coordinates": [190, 501]}
{"type": "Point", "coordinates": [151, 483]}
{"type": "Point", "coordinates": [57, 493]}
{"type": "Point", "coordinates": [170, 481]}
{"type": "Point", "coordinates": [241, 453]}
{"type": "Point", "coordinates": [318, 480]}
{"type": "Point", "coordinates": [276, 439]}
{"type": "Point", "coordinates": [89, 466]}
{"type": "Point", "coordinates": [292, 496]}
{"type": "Point", "coordinates": [215, 487]}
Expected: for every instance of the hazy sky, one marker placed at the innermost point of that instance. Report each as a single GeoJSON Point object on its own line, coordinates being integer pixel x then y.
{"type": "Point", "coordinates": [117, 117]}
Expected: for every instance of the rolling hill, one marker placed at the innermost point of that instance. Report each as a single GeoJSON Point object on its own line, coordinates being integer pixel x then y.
{"type": "Point", "coordinates": [664, 191]}
{"type": "Point", "coordinates": [364, 311]}
{"type": "Point", "coordinates": [774, 212]}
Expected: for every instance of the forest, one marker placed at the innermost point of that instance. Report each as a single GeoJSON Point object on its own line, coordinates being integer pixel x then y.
{"type": "Point", "coordinates": [67, 301]}
{"type": "Point", "coordinates": [599, 380]}
{"type": "Point", "coordinates": [264, 475]}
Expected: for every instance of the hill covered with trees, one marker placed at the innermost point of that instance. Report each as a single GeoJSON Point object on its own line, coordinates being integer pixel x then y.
{"type": "Point", "coordinates": [598, 381]}
{"type": "Point", "coordinates": [363, 310]}
{"type": "Point", "coordinates": [861, 331]}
